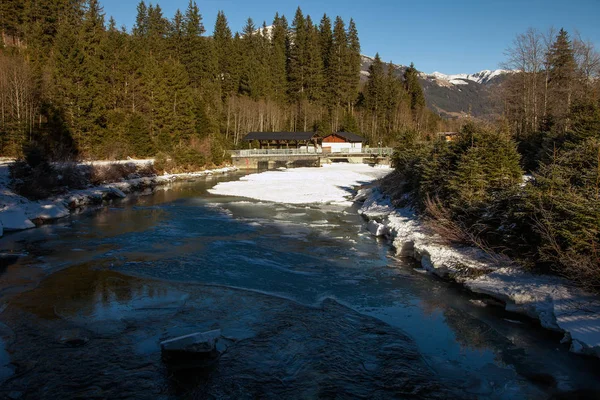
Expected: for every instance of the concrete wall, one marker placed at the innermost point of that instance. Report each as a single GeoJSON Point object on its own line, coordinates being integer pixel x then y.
{"type": "Point", "coordinates": [273, 162]}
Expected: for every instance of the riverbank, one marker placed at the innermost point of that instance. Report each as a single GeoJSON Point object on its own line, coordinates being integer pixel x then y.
{"type": "Point", "coordinates": [553, 301]}
{"type": "Point", "coordinates": [19, 213]}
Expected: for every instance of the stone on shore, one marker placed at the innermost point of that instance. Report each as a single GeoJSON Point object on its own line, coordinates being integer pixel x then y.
{"type": "Point", "coordinates": [198, 343]}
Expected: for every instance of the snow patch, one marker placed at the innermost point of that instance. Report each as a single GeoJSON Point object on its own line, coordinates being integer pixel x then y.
{"type": "Point", "coordinates": [328, 184]}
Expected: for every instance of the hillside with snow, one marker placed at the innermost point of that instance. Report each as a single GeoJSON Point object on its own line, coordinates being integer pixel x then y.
{"type": "Point", "coordinates": [481, 77]}
{"type": "Point", "coordinates": [458, 95]}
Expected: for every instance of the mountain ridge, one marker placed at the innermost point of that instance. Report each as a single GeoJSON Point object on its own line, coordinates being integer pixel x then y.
{"type": "Point", "coordinates": [456, 95]}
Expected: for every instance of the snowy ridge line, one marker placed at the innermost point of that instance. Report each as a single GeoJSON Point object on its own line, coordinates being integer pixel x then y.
{"type": "Point", "coordinates": [19, 213]}
{"type": "Point", "coordinates": [557, 304]}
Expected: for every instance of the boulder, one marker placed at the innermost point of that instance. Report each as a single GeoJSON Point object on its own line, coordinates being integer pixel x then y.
{"type": "Point", "coordinates": [191, 351]}
{"type": "Point", "coordinates": [117, 192]}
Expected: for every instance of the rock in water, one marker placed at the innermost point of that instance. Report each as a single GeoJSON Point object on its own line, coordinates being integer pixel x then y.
{"type": "Point", "coordinates": [191, 351]}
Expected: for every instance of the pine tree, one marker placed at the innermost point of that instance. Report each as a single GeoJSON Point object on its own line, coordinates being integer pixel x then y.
{"type": "Point", "coordinates": [254, 79]}
{"type": "Point", "coordinates": [376, 86]}
{"type": "Point", "coordinates": [314, 63]}
{"type": "Point", "coordinates": [140, 29]}
{"type": "Point", "coordinates": [93, 69]}
{"type": "Point", "coordinates": [114, 51]}
{"type": "Point", "coordinates": [337, 62]}
{"type": "Point", "coordinates": [297, 59]}
{"type": "Point", "coordinates": [176, 35]}
{"type": "Point", "coordinates": [226, 57]}
{"type": "Point", "coordinates": [414, 89]}
{"type": "Point", "coordinates": [158, 28]}
{"type": "Point", "coordinates": [375, 97]}
{"type": "Point", "coordinates": [562, 75]}
{"type": "Point", "coordinates": [352, 70]}
{"type": "Point", "coordinates": [325, 39]}
{"type": "Point", "coordinates": [198, 55]}
{"type": "Point", "coordinates": [278, 59]}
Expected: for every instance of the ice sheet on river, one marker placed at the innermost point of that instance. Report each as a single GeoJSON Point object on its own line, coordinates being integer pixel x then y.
{"type": "Point", "coordinates": [328, 184]}
{"type": "Point", "coordinates": [273, 348]}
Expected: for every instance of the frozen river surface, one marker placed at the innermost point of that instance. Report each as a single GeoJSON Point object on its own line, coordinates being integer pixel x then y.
{"type": "Point", "coordinates": [309, 303]}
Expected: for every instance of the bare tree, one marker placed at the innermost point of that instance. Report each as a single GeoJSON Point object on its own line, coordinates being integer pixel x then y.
{"type": "Point", "coordinates": [548, 38]}
{"type": "Point", "coordinates": [19, 103]}
{"type": "Point", "coordinates": [526, 56]}
{"type": "Point", "coordinates": [588, 61]}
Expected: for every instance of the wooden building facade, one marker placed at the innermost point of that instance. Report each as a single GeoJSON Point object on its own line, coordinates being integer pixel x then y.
{"type": "Point", "coordinates": [284, 140]}
{"type": "Point", "coordinates": [343, 142]}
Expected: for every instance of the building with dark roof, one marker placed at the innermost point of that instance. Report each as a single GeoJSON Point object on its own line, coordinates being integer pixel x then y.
{"type": "Point", "coordinates": [280, 140]}
{"type": "Point", "coordinates": [343, 142]}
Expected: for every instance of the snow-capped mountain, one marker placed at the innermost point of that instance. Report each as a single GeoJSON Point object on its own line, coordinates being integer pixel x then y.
{"type": "Point", "coordinates": [457, 95]}
{"type": "Point", "coordinates": [481, 77]}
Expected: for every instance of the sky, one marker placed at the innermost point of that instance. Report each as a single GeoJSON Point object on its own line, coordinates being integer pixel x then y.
{"type": "Point", "coordinates": [436, 35]}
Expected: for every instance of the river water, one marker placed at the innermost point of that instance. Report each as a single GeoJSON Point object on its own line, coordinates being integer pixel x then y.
{"type": "Point", "coordinates": [309, 303]}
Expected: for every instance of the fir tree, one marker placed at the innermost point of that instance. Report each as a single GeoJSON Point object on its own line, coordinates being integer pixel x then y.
{"type": "Point", "coordinates": [337, 63]}
{"type": "Point", "coordinates": [176, 35]}
{"type": "Point", "coordinates": [352, 70]}
{"type": "Point", "coordinates": [226, 57]}
{"type": "Point", "coordinates": [325, 40]}
{"type": "Point", "coordinates": [376, 86]}
{"type": "Point", "coordinates": [297, 59]}
{"type": "Point", "coordinates": [314, 63]}
{"type": "Point", "coordinates": [140, 28]}
{"type": "Point", "coordinates": [413, 87]}
{"type": "Point", "coordinates": [278, 58]}
{"type": "Point", "coordinates": [562, 75]}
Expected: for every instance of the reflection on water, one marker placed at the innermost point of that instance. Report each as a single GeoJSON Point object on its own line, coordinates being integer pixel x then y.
{"type": "Point", "coordinates": [102, 332]}
{"type": "Point", "coordinates": [324, 309]}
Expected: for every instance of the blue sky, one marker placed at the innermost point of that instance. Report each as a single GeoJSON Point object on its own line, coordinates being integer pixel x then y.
{"type": "Point", "coordinates": [437, 35]}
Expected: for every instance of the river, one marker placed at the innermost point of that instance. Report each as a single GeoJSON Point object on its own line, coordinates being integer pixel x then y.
{"type": "Point", "coordinates": [309, 303]}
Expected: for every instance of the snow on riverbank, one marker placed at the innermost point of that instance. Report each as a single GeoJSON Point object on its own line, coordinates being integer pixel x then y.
{"type": "Point", "coordinates": [328, 184]}
{"type": "Point", "coordinates": [552, 300]}
{"type": "Point", "coordinates": [18, 213]}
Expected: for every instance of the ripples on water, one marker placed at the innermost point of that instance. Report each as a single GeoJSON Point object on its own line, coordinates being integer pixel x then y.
{"type": "Point", "coordinates": [312, 306]}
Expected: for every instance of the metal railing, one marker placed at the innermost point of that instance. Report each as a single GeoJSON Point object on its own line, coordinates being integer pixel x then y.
{"type": "Point", "coordinates": [372, 151]}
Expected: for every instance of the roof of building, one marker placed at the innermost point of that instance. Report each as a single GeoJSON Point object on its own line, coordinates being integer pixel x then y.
{"type": "Point", "coordinates": [280, 136]}
{"type": "Point", "coordinates": [349, 136]}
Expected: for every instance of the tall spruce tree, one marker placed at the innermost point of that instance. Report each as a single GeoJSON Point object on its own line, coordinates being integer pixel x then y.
{"type": "Point", "coordinates": [562, 76]}
{"type": "Point", "coordinates": [176, 35]}
{"type": "Point", "coordinates": [297, 59]}
{"type": "Point", "coordinates": [353, 62]}
{"type": "Point", "coordinates": [414, 89]}
{"type": "Point", "coordinates": [337, 63]}
{"type": "Point", "coordinates": [278, 59]}
{"type": "Point", "coordinates": [314, 63]}
{"type": "Point", "coordinates": [325, 40]}
{"type": "Point", "coordinates": [226, 57]}
{"type": "Point", "coordinates": [140, 28]}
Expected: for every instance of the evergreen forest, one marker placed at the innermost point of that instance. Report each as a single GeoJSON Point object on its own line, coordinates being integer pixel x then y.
{"type": "Point", "coordinates": [77, 86]}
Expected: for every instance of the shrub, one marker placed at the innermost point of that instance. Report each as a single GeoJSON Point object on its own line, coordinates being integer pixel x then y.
{"type": "Point", "coordinates": [179, 161]}
{"type": "Point", "coordinates": [111, 173]}
{"type": "Point", "coordinates": [566, 208]}
{"type": "Point", "coordinates": [34, 183]}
